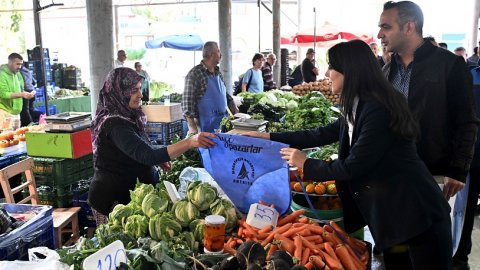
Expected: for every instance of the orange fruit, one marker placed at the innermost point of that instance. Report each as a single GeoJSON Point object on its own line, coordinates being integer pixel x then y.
{"type": "Point", "coordinates": [310, 188]}
{"type": "Point", "coordinates": [292, 185]}
{"type": "Point", "coordinates": [297, 187]}
{"type": "Point", "coordinates": [320, 189]}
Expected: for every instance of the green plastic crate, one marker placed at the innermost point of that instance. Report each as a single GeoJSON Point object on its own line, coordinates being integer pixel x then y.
{"type": "Point", "coordinates": [62, 172]}
{"type": "Point", "coordinates": [55, 201]}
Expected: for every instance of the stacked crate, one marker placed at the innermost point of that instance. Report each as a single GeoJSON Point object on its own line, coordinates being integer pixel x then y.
{"type": "Point", "coordinates": [57, 179]}
{"type": "Point", "coordinates": [35, 65]}
{"type": "Point", "coordinates": [164, 122]}
{"type": "Point", "coordinates": [72, 78]}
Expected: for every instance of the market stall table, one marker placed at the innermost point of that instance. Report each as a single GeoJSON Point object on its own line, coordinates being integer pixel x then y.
{"type": "Point", "coordinates": [70, 104]}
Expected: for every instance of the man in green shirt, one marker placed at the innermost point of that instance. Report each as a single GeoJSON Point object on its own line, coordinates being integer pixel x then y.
{"type": "Point", "coordinates": [11, 86]}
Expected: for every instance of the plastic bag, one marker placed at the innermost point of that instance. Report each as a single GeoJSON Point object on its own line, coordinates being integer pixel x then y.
{"type": "Point", "coordinates": [40, 258]}
{"type": "Point", "coordinates": [191, 174]}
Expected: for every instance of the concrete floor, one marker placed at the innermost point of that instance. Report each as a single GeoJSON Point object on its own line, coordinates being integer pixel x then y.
{"type": "Point", "coordinates": [474, 258]}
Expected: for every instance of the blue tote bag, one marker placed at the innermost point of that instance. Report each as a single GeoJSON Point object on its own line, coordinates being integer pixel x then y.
{"type": "Point", "coordinates": [248, 170]}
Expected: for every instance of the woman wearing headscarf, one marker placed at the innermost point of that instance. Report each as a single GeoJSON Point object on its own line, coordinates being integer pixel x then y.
{"type": "Point", "coordinates": [122, 151]}
{"type": "Point", "coordinates": [380, 179]}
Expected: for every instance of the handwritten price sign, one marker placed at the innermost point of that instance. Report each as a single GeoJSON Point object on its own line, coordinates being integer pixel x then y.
{"type": "Point", "coordinates": [260, 216]}
{"type": "Point", "coordinates": [107, 258]}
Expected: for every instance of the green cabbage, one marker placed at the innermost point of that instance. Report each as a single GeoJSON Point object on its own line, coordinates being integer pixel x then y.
{"type": "Point", "coordinates": [119, 215]}
{"type": "Point", "coordinates": [201, 194]}
{"type": "Point", "coordinates": [197, 227]}
{"type": "Point", "coordinates": [136, 226]}
{"type": "Point", "coordinates": [153, 204]}
{"type": "Point", "coordinates": [185, 211]}
{"type": "Point", "coordinates": [163, 227]}
{"type": "Point", "coordinates": [225, 208]}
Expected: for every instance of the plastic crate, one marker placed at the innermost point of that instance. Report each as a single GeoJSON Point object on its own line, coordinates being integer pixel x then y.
{"type": "Point", "coordinates": [164, 133]}
{"type": "Point", "coordinates": [85, 216]}
{"type": "Point", "coordinates": [8, 160]}
{"type": "Point", "coordinates": [52, 109]}
{"type": "Point", "coordinates": [55, 201]}
{"type": "Point", "coordinates": [36, 232]}
{"type": "Point", "coordinates": [61, 172]}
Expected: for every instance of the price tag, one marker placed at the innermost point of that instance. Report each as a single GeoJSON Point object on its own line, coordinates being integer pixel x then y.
{"type": "Point", "coordinates": [172, 191]}
{"type": "Point", "coordinates": [260, 216]}
{"type": "Point", "coordinates": [107, 258]}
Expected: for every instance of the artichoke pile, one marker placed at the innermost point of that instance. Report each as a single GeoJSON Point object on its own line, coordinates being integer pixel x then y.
{"type": "Point", "coordinates": [151, 213]}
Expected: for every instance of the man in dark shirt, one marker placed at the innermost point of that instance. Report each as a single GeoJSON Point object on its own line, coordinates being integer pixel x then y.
{"type": "Point", "coordinates": [309, 71]}
{"type": "Point", "coordinates": [438, 89]}
{"type": "Point", "coordinates": [267, 73]}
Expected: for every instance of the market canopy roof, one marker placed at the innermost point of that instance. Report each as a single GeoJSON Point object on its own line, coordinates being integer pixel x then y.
{"type": "Point", "coordinates": [327, 35]}
{"type": "Point", "coordinates": [179, 42]}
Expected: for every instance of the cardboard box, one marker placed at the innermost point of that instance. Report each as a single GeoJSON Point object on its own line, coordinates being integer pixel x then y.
{"type": "Point", "coordinates": [59, 145]}
{"type": "Point", "coordinates": [163, 113]}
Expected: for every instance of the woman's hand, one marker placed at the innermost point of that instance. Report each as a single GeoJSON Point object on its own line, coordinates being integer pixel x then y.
{"type": "Point", "coordinates": [166, 167]}
{"type": "Point", "coordinates": [256, 134]}
{"type": "Point", "coordinates": [202, 140]}
{"type": "Point", "coordinates": [294, 157]}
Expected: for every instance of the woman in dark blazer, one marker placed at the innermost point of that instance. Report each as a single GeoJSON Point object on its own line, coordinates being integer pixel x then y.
{"type": "Point", "coordinates": [380, 179]}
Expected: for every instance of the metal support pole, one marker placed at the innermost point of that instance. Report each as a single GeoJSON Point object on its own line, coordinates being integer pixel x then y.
{"type": "Point", "coordinates": [38, 40]}
{"type": "Point", "coordinates": [276, 41]}
{"type": "Point", "coordinates": [225, 38]}
{"type": "Point", "coordinates": [475, 29]}
{"type": "Point", "coordinates": [259, 24]}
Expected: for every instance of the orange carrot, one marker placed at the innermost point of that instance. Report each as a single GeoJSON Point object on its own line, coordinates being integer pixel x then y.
{"type": "Point", "coordinates": [327, 228]}
{"type": "Point", "coordinates": [338, 228]}
{"type": "Point", "coordinates": [358, 260]}
{"type": "Point", "coordinates": [298, 247]}
{"type": "Point", "coordinates": [265, 229]}
{"type": "Point", "coordinates": [239, 241]}
{"type": "Point", "coordinates": [316, 229]}
{"type": "Point", "coordinates": [317, 262]}
{"type": "Point", "coordinates": [285, 243]}
{"type": "Point", "coordinates": [262, 236]}
{"type": "Point", "coordinates": [303, 220]}
{"type": "Point", "coordinates": [305, 256]}
{"type": "Point", "coordinates": [262, 203]}
{"type": "Point", "coordinates": [272, 249]}
{"type": "Point", "coordinates": [294, 231]}
{"type": "Point", "coordinates": [232, 244]}
{"type": "Point", "coordinates": [249, 228]}
{"type": "Point", "coordinates": [229, 250]}
{"type": "Point", "coordinates": [305, 232]}
{"type": "Point", "coordinates": [280, 230]}
{"type": "Point", "coordinates": [330, 251]}
{"type": "Point", "coordinates": [333, 263]}
{"type": "Point", "coordinates": [328, 237]}
{"type": "Point", "coordinates": [309, 266]}
{"type": "Point", "coordinates": [291, 217]}
{"type": "Point", "coordinates": [313, 238]}
{"type": "Point", "coordinates": [345, 258]}
{"type": "Point", "coordinates": [240, 231]}
{"type": "Point", "coordinates": [307, 244]}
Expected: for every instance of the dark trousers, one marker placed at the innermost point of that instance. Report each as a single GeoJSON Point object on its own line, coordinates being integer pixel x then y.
{"type": "Point", "coordinates": [431, 250]}
{"type": "Point", "coordinates": [465, 245]}
{"type": "Point", "coordinates": [28, 114]}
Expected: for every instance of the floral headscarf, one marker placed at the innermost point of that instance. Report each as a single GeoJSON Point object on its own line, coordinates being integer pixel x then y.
{"type": "Point", "coordinates": [113, 102]}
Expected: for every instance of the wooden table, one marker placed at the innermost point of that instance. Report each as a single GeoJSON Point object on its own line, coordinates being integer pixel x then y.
{"type": "Point", "coordinates": [62, 217]}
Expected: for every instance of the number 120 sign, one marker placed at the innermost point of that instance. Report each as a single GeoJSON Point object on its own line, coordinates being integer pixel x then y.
{"type": "Point", "coordinates": [107, 258]}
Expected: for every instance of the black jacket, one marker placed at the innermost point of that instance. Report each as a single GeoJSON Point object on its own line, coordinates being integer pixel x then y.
{"type": "Point", "coordinates": [380, 178]}
{"type": "Point", "coordinates": [440, 97]}
{"type": "Point", "coordinates": [123, 156]}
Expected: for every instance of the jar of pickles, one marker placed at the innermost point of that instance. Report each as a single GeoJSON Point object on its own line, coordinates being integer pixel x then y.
{"type": "Point", "coordinates": [214, 234]}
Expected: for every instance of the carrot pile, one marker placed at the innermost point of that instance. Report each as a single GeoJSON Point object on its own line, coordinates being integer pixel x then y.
{"type": "Point", "coordinates": [310, 244]}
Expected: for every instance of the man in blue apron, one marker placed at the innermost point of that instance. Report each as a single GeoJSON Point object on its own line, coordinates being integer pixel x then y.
{"type": "Point", "coordinates": [205, 99]}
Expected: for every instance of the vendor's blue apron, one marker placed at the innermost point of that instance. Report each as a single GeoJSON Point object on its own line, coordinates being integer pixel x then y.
{"type": "Point", "coordinates": [213, 106]}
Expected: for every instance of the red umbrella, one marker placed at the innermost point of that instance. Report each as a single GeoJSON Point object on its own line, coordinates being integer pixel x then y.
{"type": "Point", "coordinates": [326, 36]}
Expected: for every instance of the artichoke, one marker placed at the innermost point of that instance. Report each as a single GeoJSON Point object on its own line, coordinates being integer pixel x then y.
{"type": "Point", "coordinates": [136, 226]}
{"type": "Point", "coordinates": [153, 204]}
{"type": "Point", "coordinates": [197, 227]}
{"type": "Point", "coordinates": [201, 194]}
{"type": "Point", "coordinates": [184, 211]}
{"type": "Point", "coordinates": [163, 227]}
{"type": "Point", "coordinates": [225, 208]}
{"type": "Point", "coordinates": [119, 215]}
{"type": "Point", "coordinates": [141, 190]}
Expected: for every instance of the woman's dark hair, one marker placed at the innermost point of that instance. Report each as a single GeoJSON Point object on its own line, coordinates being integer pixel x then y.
{"type": "Point", "coordinates": [363, 78]}
{"type": "Point", "coordinates": [256, 57]}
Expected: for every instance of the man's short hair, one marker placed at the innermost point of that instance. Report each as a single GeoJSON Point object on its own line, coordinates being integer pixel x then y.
{"type": "Point", "coordinates": [137, 64]}
{"type": "Point", "coordinates": [208, 48]}
{"type": "Point", "coordinates": [475, 50]}
{"type": "Point", "coordinates": [120, 52]}
{"type": "Point", "coordinates": [443, 45]}
{"type": "Point", "coordinates": [459, 49]}
{"type": "Point", "coordinates": [256, 57]}
{"type": "Point", "coordinates": [14, 56]}
{"type": "Point", "coordinates": [407, 11]}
